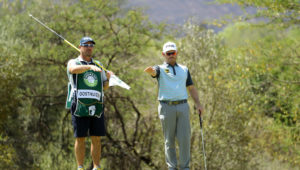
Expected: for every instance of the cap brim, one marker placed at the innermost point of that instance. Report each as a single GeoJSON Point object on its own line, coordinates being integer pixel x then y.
{"type": "Point", "coordinates": [170, 49]}
{"type": "Point", "coordinates": [89, 41]}
{"type": "Point", "coordinates": [86, 42]}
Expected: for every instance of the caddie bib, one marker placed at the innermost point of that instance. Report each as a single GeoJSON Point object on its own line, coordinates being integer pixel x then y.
{"type": "Point", "coordinates": [89, 94]}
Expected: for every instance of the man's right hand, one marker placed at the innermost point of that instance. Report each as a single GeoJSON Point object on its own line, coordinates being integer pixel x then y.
{"type": "Point", "coordinates": [95, 68]}
{"type": "Point", "coordinates": [151, 71]}
{"type": "Point", "coordinates": [78, 69]}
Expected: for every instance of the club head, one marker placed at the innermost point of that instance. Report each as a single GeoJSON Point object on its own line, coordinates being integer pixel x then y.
{"type": "Point", "coordinates": [30, 15]}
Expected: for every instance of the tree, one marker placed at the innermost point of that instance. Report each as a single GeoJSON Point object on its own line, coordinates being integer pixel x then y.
{"type": "Point", "coordinates": [282, 13]}
{"type": "Point", "coordinates": [267, 54]}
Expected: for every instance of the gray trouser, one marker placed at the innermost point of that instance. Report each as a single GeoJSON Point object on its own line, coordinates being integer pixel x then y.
{"type": "Point", "coordinates": [175, 122]}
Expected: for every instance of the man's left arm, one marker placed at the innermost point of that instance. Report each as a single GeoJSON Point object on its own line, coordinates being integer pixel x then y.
{"type": "Point", "coordinates": [106, 85]}
{"type": "Point", "coordinates": [194, 93]}
{"type": "Point", "coordinates": [106, 82]}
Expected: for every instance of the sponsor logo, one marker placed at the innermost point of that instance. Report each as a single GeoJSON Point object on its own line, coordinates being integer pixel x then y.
{"type": "Point", "coordinates": [171, 45]}
{"type": "Point", "coordinates": [90, 79]}
{"type": "Point", "coordinates": [167, 70]}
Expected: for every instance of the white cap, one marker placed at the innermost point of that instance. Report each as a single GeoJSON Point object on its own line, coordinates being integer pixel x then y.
{"type": "Point", "coordinates": [169, 46]}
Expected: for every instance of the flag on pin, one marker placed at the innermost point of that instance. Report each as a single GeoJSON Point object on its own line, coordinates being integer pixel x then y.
{"type": "Point", "coordinates": [115, 81]}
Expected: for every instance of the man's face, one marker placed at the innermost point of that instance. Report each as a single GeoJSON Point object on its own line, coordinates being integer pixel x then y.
{"type": "Point", "coordinates": [87, 49]}
{"type": "Point", "coordinates": [170, 56]}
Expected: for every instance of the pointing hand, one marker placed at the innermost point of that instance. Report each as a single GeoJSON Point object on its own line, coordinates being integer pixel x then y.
{"type": "Point", "coordinates": [150, 70]}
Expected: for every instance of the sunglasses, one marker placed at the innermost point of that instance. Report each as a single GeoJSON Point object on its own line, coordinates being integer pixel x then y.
{"type": "Point", "coordinates": [171, 53]}
{"type": "Point", "coordinates": [87, 45]}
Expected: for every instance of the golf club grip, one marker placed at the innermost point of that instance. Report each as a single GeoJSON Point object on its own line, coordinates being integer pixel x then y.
{"type": "Point", "coordinates": [200, 118]}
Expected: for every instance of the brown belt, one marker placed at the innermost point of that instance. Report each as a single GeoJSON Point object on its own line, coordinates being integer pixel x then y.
{"type": "Point", "coordinates": [173, 102]}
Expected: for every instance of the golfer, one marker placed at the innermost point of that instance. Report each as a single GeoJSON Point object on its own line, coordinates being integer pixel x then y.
{"type": "Point", "coordinates": [87, 82]}
{"type": "Point", "coordinates": [173, 82]}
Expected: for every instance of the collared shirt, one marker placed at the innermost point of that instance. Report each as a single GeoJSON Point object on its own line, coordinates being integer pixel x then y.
{"type": "Point", "coordinates": [83, 62]}
{"type": "Point", "coordinates": [172, 81]}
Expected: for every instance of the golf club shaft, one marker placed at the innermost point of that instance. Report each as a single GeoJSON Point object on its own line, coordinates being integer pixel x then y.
{"type": "Point", "coordinates": [37, 20]}
{"type": "Point", "coordinates": [204, 155]}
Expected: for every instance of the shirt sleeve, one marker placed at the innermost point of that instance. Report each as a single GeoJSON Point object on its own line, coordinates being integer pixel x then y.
{"type": "Point", "coordinates": [189, 80]}
{"type": "Point", "coordinates": [104, 75]}
{"type": "Point", "coordinates": [157, 72]}
{"type": "Point", "coordinates": [71, 62]}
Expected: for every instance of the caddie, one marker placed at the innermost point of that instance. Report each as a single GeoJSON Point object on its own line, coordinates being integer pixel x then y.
{"type": "Point", "coordinates": [85, 100]}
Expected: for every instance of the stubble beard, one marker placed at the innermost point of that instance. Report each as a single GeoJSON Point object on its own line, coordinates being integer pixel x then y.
{"type": "Point", "coordinates": [87, 54]}
{"type": "Point", "coordinates": [171, 60]}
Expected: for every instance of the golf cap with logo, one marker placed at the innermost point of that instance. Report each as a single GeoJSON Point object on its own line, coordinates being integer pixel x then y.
{"type": "Point", "coordinates": [85, 40]}
{"type": "Point", "coordinates": [169, 46]}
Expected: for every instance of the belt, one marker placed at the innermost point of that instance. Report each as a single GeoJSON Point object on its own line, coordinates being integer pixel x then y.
{"type": "Point", "coordinates": [173, 102]}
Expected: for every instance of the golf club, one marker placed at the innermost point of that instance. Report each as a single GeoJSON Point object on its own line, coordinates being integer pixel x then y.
{"type": "Point", "coordinates": [204, 155]}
